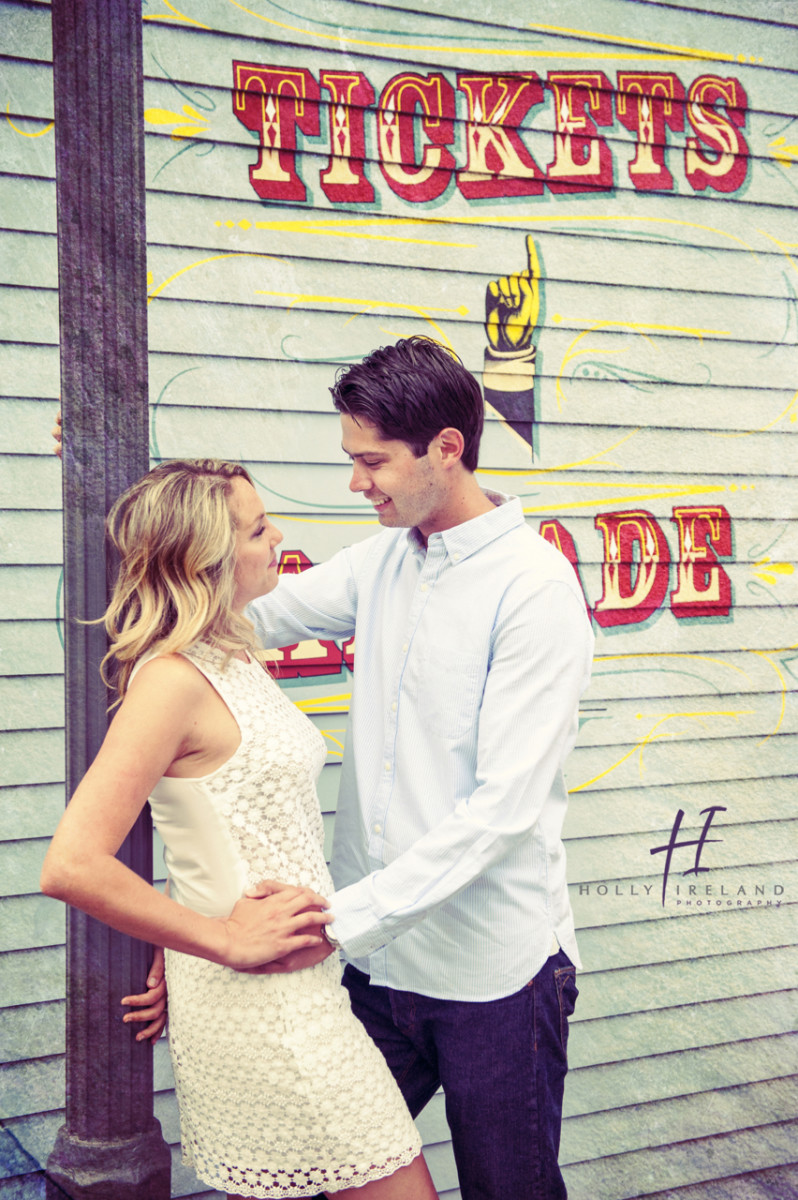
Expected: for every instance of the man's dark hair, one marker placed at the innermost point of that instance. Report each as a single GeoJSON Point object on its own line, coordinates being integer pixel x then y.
{"type": "Point", "coordinates": [411, 391]}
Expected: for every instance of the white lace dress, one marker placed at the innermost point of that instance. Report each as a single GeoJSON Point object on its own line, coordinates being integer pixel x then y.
{"type": "Point", "coordinates": [280, 1089]}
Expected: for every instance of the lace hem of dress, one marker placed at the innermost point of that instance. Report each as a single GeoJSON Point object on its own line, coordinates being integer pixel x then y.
{"type": "Point", "coordinates": [266, 1185]}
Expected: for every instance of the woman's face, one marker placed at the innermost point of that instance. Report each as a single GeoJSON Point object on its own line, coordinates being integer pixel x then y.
{"type": "Point", "coordinates": [256, 539]}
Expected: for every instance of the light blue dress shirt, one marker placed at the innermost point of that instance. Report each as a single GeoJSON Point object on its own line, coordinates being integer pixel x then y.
{"type": "Point", "coordinates": [471, 656]}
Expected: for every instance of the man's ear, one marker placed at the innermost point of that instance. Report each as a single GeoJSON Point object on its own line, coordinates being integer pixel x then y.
{"type": "Point", "coordinates": [450, 444]}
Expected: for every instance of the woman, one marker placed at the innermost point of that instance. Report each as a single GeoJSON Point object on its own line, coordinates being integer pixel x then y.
{"type": "Point", "coordinates": [281, 1092]}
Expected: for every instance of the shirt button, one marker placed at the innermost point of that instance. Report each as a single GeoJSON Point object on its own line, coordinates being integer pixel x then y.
{"type": "Point", "coordinates": [378, 828]}
{"type": "Point", "coordinates": [393, 707]}
{"type": "Point", "coordinates": [423, 587]}
{"type": "Point", "coordinates": [404, 648]}
{"type": "Point", "coordinates": [456, 557]}
{"type": "Point", "coordinates": [387, 766]}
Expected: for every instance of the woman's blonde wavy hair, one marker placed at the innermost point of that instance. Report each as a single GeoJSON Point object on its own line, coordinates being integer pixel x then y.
{"type": "Point", "coordinates": [175, 535]}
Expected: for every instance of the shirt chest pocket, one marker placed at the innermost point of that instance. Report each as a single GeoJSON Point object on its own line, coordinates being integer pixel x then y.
{"type": "Point", "coordinates": [450, 689]}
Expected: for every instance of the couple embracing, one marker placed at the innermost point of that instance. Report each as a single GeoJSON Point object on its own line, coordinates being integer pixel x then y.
{"type": "Point", "coordinates": [450, 902]}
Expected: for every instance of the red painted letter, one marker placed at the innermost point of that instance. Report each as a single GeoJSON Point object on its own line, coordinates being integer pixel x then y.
{"type": "Point", "coordinates": [558, 535]}
{"type": "Point", "coordinates": [646, 102]}
{"type": "Point", "coordinates": [498, 162]}
{"type": "Point", "coordinates": [396, 120]}
{"type": "Point", "coordinates": [344, 179]}
{"type": "Point", "coordinates": [582, 160]}
{"type": "Point", "coordinates": [726, 171]}
{"type": "Point", "coordinates": [703, 587]}
{"type": "Point", "coordinates": [636, 567]}
{"type": "Point", "coordinates": [272, 101]}
{"type": "Point", "coordinates": [309, 658]}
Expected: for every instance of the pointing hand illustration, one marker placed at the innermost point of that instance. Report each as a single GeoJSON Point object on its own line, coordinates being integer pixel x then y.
{"type": "Point", "coordinates": [512, 306]}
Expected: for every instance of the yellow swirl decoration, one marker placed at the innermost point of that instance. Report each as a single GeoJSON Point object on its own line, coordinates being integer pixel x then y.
{"type": "Point", "coordinates": [174, 14]}
{"type": "Point", "coordinates": [336, 747]}
{"type": "Point", "coordinates": [325, 704]}
{"type": "Point", "coordinates": [783, 682]}
{"type": "Point", "coordinates": [654, 736]}
{"type": "Point", "coordinates": [366, 306]}
{"type": "Point", "coordinates": [657, 49]}
{"type": "Point", "coordinates": [639, 50]}
{"type": "Point", "coordinates": [22, 132]}
{"type": "Point", "coordinates": [784, 155]}
{"type": "Point", "coordinates": [597, 326]}
{"type": "Point", "coordinates": [789, 411]}
{"type": "Point", "coordinates": [153, 294]}
{"type": "Point", "coordinates": [196, 125]}
{"type": "Point", "coordinates": [772, 571]}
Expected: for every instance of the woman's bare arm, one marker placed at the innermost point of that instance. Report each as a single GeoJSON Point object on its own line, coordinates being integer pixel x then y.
{"type": "Point", "coordinates": [155, 725]}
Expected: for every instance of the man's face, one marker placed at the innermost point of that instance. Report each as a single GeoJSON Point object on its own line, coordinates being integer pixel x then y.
{"type": "Point", "coordinates": [404, 490]}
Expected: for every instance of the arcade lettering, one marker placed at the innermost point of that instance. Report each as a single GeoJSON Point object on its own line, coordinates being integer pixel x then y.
{"type": "Point", "coordinates": [636, 567]}
{"type": "Point", "coordinates": [413, 125]}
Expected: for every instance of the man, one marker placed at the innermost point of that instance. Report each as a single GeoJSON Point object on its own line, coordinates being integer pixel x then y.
{"type": "Point", "coordinates": [473, 646]}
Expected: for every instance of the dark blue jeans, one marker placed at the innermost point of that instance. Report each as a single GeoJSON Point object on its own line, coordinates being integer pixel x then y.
{"type": "Point", "coordinates": [502, 1066]}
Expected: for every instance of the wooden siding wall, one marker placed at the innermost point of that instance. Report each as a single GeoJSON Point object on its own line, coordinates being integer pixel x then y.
{"type": "Point", "coordinates": [31, 658]}
{"type": "Point", "coordinates": [665, 382]}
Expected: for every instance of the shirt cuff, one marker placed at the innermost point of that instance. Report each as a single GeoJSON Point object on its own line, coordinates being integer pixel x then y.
{"type": "Point", "coordinates": [355, 927]}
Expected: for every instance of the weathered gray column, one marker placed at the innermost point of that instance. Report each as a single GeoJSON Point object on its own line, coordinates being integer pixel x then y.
{"type": "Point", "coordinates": [110, 1147]}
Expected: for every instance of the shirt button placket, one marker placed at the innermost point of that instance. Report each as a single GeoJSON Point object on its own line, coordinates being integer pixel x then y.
{"type": "Point", "coordinates": [380, 809]}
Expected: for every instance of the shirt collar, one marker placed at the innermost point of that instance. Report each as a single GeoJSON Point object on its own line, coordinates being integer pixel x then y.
{"type": "Point", "coordinates": [465, 539]}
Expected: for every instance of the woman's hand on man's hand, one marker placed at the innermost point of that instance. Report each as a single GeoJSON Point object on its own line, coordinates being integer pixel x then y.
{"type": "Point", "coordinates": [271, 922]}
{"type": "Point", "coordinates": [150, 1006]}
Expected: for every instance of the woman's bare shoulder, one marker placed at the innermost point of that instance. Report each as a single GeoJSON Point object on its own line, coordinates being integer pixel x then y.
{"type": "Point", "coordinates": [173, 673]}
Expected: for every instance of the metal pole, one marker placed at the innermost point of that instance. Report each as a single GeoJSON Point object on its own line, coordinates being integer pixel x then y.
{"type": "Point", "coordinates": [111, 1147]}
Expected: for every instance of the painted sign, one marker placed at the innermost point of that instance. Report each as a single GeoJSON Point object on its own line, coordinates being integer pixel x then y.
{"type": "Point", "coordinates": [602, 227]}
{"type": "Point", "coordinates": [276, 103]}
{"type": "Point", "coordinates": [599, 217]}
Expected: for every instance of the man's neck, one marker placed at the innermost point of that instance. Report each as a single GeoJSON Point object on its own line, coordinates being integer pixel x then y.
{"type": "Point", "coordinates": [466, 502]}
